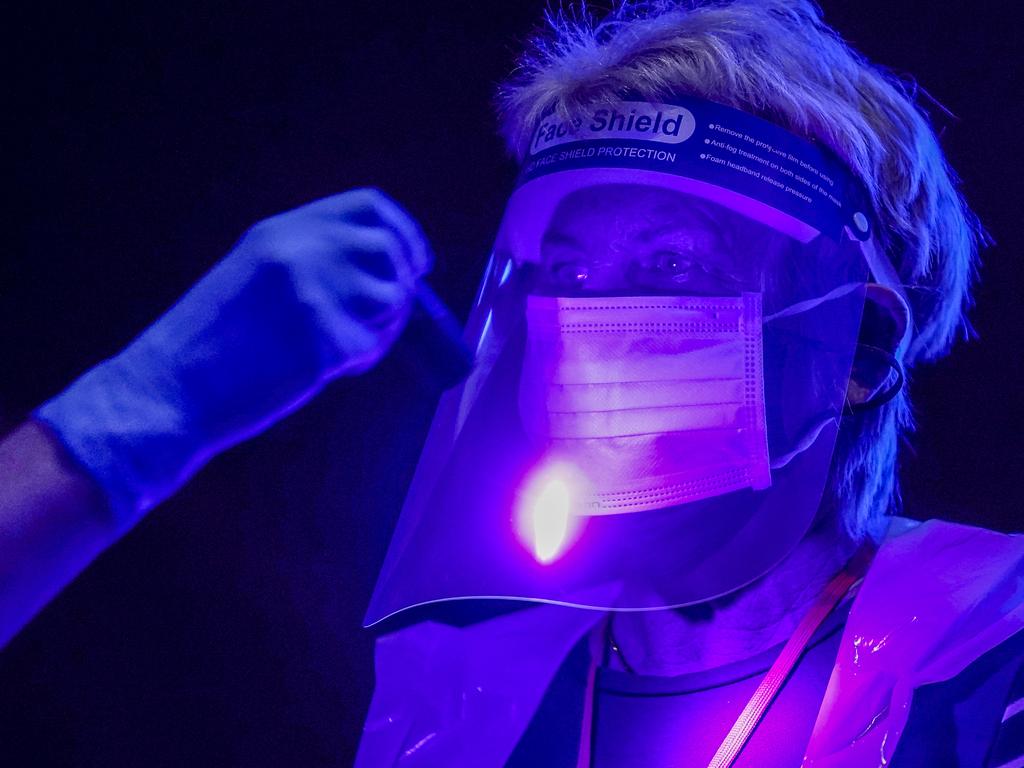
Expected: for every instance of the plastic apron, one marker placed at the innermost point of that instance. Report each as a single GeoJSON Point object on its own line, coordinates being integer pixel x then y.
{"type": "Point", "coordinates": [937, 597]}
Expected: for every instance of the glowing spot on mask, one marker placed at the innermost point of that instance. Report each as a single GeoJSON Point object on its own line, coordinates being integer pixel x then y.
{"type": "Point", "coordinates": [546, 523]}
{"type": "Point", "coordinates": [550, 520]}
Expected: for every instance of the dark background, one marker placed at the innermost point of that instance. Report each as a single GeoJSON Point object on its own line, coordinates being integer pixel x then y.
{"type": "Point", "coordinates": [224, 630]}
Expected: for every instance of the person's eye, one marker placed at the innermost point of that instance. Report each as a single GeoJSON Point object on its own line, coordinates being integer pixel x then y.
{"type": "Point", "coordinates": [671, 264]}
{"type": "Point", "coordinates": [571, 273]}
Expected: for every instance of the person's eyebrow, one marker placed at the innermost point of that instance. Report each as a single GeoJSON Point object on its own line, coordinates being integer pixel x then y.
{"type": "Point", "coordinates": [675, 228]}
{"type": "Point", "coordinates": [560, 239]}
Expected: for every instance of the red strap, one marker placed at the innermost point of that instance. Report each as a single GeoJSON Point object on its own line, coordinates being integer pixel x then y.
{"type": "Point", "coordinates": [772, 683]}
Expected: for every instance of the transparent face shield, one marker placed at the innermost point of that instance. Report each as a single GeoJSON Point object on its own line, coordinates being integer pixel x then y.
{"type": "Point", "coordinates": [661, 367]}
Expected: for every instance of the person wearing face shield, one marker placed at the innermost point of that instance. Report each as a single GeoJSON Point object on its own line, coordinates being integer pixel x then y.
{"type": "Point", "coordinates": [658, 523]}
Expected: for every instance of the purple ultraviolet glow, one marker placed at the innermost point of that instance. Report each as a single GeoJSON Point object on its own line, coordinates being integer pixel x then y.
{"type": "Point", "coordinates": [545, 521]}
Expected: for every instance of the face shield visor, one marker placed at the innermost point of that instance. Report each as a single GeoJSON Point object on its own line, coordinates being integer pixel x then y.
{"type": "Point", "coordinates": [664, 337]}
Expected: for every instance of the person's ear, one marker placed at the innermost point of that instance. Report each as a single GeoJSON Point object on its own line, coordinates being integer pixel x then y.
{"type": "Point", "coordinates": [877, 374]}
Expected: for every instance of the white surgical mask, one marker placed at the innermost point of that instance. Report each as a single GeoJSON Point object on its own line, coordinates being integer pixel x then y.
{"type": "Point", "coordinates": [657, 400]}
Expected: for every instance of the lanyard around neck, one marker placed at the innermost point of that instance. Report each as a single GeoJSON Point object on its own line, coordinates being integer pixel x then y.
{"type": "Point", "coordinates": [769, 688]}
{"type": "Point", "coordinates": [743, 729]}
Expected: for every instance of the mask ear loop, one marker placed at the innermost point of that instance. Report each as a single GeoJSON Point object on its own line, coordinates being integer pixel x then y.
{"type": "Point", "coordinates": [885, 273]}
{"type": "Point", "coordinates": [881, 398]}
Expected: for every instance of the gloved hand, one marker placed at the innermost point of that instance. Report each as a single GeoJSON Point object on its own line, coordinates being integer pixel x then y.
{"type": "Point", "coordinates": [314, 293]}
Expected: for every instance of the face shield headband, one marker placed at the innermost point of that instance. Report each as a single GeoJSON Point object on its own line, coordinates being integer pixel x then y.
{"type": "Point", "coordinates": [664, 337]}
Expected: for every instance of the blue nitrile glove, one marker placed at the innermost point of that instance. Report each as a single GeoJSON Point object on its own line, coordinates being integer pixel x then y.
{"type": "Point", "coordinates": [314, 293]}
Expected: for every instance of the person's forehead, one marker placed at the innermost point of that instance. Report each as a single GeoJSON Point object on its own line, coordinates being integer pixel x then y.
{"type": "Point", "coordinates": [631, 209]}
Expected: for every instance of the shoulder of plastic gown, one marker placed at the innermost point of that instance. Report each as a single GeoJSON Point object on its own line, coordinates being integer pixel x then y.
{"type": "Point", "coordinates": [937, 597]}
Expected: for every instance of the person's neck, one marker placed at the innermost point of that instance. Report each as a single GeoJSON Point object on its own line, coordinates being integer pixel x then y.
{"type": "Point", "coordinates": [737, 626]}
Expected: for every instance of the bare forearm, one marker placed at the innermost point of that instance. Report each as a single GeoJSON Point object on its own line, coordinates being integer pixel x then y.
{"type": "Point", "coordinates": [53, 522]}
